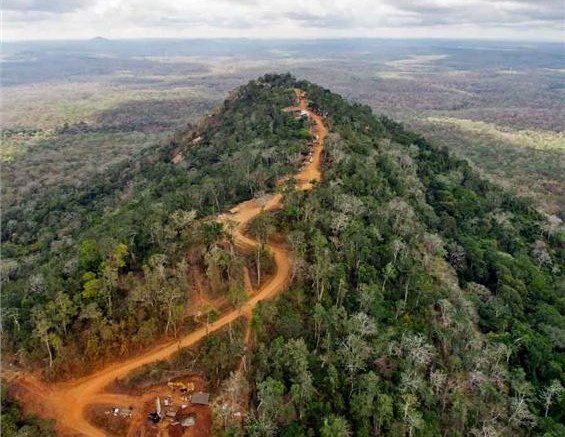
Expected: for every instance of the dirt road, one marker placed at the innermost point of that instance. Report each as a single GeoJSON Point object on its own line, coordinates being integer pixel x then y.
{"type": "Point", "coordinates": [312, 171]}
{"type": "Point", "coordinates": [66, 402]}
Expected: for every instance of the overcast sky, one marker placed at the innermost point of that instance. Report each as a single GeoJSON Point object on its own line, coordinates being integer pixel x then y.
{"type": "Point", "coordinates": [77, 19]}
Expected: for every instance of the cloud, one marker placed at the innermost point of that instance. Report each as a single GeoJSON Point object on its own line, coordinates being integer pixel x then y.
{"type": "Point", "coordinates": [496, 12]}
{"type": "Point", "coordinates": [328, 21]}
{"type": "Point", "coordinates": [55, 6]}
{"type": "Point", "coordinates": [283, 18]}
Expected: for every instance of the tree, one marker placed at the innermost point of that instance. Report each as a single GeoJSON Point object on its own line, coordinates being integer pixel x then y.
{"type": "Point", "coordinates": [271, 404]}
{"type": "Point", "coordinates": [540, 253]}
{"type": "Point", "coordinates": [415, 349]}
{"type": "Point", "coordinates": [179, 222]}
{"type": "Point", "coordinates": [297, 243]}
{"type": "Point", "coordinates": [388, 273]}
{"type": "Point", "coordinates": [214, 261]}
{"type": "Point", "coordinates": [551, 394]}
{"type": "Point", "coordinates": [237, 296]}
{"type": "Point", "coordinates": [224, 268]}
{"type": "Point", "coordinates": [321, 265]}
{"type": "Point", "coordinates": [335, 426]}
{"type": "Point", "coordinates": [146, 291]}
{"type": "Point", "coordinates": [411, 416]}
{"type": "Point", "coordinates": [89, 255]}
{"type": "Point", "coordinates": [354, 352]}
{"type": "Point", "coordinates": [105, 283]}
{"type": "Point", "coordinates": [232, 399]}
{"type": "Point", "coordinates": [384, 410]}
{"type": "Point", "coordinates": [62, 311]}
{"type": "Point", "coordinates": [302, 388]}
{"type": "Point", "coordinates": [170, 297]}
{"type": "Point", "coordinates": [261, 227]}
{"type": "Point", "coordinates": [520, 414]}
{"type": "Point", "coordinates": [210, 232]}
{"type": "Point", "coordinates": [364, 399]}
{"type": "Point", "coordinates": [43, 327]}
{"type": "Point", "coordinates": [12, 315]}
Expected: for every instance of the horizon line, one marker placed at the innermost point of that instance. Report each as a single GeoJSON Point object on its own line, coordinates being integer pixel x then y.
{"type": "Point", "coordinates": [267, 38]}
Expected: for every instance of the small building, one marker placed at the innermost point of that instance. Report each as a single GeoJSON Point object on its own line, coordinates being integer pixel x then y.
{"type": "Point", "coordinates": [234, 210]}
{"type": "Point", "coordinates": [200, 398]}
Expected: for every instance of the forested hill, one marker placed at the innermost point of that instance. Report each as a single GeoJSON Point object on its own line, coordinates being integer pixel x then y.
{"type": "Point", "coordinates": [96, 271]}
{"type": "Point", "coordinates": [424, 299]}
{"type": "Point", "coordinates": [427, 300]}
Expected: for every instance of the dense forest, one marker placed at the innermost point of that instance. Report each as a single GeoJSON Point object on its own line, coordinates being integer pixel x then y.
{"type": "Point", "coordinates": [424, 299]}
{"type": "Point", "coordinates": [100, 272]}
{"type": "Point", "coordinates": [427, 300]}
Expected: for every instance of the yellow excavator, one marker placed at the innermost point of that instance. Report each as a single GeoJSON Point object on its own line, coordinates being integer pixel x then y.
{"type": "Point", "coordinates": [184, 388]}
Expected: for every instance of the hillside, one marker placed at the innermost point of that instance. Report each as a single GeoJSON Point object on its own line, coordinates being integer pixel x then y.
{"type": "Point", "coordinates": [421, 299]}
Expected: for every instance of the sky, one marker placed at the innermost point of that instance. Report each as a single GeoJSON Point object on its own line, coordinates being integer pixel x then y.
{"type": "Point", "coordinates": [535, 20]}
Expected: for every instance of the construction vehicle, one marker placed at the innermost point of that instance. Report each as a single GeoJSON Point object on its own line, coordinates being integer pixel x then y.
{"type": "Point", "coordinates": [184, 388]}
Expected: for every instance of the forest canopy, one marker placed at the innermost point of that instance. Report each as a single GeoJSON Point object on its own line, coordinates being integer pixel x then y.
{"type": "Point", "coordinates": [424, 300]}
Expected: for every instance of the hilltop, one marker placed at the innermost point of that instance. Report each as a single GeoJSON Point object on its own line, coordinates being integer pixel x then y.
{"type": "Point", "coordinates": [420, 299]}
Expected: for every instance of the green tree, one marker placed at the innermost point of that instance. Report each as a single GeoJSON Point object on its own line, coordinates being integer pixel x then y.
{"type": "Point", "coordinates": [335, 426]}
{"type": "Point", "coordinates": [89, 255]}
{"type": "Point", "coordinates": [302, 386]}
{"type": "Point", "coordinates": [62, 311]}
{"type": "Point", "coordinates": [271, 405]}
{"type": "Point", "coordinates": [43, 330]}
{"type": "Point", "coordinates": [104, 284]}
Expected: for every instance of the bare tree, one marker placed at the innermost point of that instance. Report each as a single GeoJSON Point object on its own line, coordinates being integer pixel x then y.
{"type": "Point", "coordinates": [260, 228]}
{"type": "Point", "coordinates": [541, 254]}
{"type": "Point", "coordinates": [354, 351]}
{"type": "Point", "coordinates": [552, 393]}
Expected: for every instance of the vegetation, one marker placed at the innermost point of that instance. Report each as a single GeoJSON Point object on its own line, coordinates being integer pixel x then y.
{"type": "Point", "coordinates": [99, 271]}
{"type": "Point", "coordinates": [523, 138]}
{"type": "Point", "coordinates": [146, 90]}
{"type": "Point", "coordinates": [525, 161]}
{"type": "Point", "coordinates": [14, 423]}
{"type": "Point", "coordinates": [214, 357]}
{"type": "Point", "coordinates": [425, 300]}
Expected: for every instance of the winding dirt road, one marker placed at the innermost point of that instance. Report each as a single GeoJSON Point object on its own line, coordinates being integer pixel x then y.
{"type": "Point", "coordinates": [313, 170]}
{"type": "Point", "coordinates": [66, 402]}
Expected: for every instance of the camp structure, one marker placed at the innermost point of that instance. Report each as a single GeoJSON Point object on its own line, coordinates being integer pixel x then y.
{"type": "Point", "coordinates": [200, 398]}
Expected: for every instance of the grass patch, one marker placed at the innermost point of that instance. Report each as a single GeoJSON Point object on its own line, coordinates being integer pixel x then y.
{"type": "Point", "coordinates": [535, 139]}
